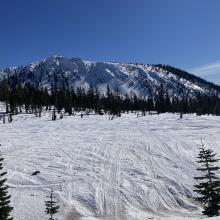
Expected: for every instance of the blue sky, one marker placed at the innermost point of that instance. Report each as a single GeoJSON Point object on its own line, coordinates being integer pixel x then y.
{"type": "Point", "coordinates": [182, 33]}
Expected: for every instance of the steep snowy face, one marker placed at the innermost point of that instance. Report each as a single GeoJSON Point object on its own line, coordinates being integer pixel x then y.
{"type": "Point", "coordinates": [138, 79]}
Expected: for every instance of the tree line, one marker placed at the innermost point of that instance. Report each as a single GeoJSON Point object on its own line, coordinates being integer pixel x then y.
{"type": "Point", "coordinates": [18, 97]}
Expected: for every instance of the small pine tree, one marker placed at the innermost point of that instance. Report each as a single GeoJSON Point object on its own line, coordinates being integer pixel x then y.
{"type": "Point", "coordinates": [10, 117]}
{"type": "Point", "coordinates": [209, 186]}
{"type": "Point", "coordinates": [51, 207]}
{"type": "Point", "coordinates": [54, 117]}
{"type": "Point", "coordinates": [5, 208]}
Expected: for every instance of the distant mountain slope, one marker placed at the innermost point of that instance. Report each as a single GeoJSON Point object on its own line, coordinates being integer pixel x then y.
{"type": "Point", "coordinates": [125, 78]}
{"type": "Point", "coordinates": [188, 76]}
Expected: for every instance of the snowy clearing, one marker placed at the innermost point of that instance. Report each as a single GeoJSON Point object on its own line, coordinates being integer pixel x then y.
{"type": "Point", "coordinates": [127, 168]}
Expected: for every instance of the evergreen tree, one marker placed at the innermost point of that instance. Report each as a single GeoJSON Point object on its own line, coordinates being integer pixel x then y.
{"type": "Point", "coordinates": [5, 94]}
{"type": "Point", "coordinates": [54, 116]}
{"type": "Point", "coordinates": [209, 184]}
{"type": "Point", "coordinates": [5, 208]}
{"type": "Point", "coordinates": [18, 96]}
{"type": "Point", "coordinates": [51, 206]}
{"type": "Point", "coordinates": [160, 100]}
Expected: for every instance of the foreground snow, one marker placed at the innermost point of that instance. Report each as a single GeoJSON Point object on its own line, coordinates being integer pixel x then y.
{"type": "Point", "coordinates": [127, 168]}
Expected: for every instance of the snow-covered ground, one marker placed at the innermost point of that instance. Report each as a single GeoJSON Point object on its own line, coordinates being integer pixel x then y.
{"type": "Point", "coordinates": [132, 168]}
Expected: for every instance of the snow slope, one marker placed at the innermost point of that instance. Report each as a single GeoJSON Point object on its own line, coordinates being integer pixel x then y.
{"type": "Point", "coordinates": [124, 78]}
{"type": "Point", "coordinates": [129, 168]}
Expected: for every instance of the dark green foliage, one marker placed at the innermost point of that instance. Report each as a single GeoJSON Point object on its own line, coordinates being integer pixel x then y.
{"type": "Point", "coordinates": [51, 206]}
{"type": "Point", "coordinates": [209, 185]}
{"type": "Point", "coordinates": [5, 208]}
{"type": "Point", "coordinates": [33, 100]}
{"type": "Point", "coordinates": [54, 117]}
{"type": "Point", "coordinates": [160, 104]}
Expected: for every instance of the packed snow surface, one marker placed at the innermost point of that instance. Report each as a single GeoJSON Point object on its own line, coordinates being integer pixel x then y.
{"type": "Point", "coordinates": [129, 168]}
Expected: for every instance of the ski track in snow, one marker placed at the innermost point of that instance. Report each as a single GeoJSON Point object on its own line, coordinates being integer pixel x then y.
{"type": "Point", "coordinates": [127, 168]}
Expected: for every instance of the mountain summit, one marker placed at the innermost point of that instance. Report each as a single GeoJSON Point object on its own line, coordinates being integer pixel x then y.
{"type": "Point", "coordinates": [139, 79]}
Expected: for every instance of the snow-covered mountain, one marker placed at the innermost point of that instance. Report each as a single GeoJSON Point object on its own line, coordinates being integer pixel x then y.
{"type": "Point", "coordinates": [125, 78]}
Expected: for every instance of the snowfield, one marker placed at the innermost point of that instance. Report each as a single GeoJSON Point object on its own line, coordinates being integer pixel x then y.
{"type": "Point", "coordinates": [129, 168]}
